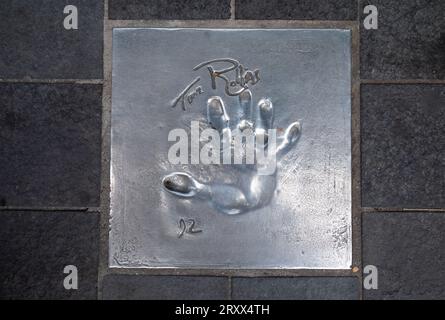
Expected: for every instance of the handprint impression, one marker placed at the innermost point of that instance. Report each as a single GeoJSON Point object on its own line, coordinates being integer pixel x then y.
{"type": "Point", "coordinates": [255, 190]}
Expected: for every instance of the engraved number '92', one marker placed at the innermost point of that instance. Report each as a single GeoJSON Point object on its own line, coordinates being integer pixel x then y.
{"type": "Point", "coordinates": [187, 226]}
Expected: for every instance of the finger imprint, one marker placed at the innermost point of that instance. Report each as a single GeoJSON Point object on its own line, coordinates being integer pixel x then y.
{"type": "Point", "coordinates": [245, 105]}
{"type": "Point", "coordinates": [216, 114]}
{"type": "Point", "coordinates": [264, 114]}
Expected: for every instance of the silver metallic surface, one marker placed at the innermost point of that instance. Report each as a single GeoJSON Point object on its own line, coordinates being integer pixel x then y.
{"type": "Point", "coordinates": [256, 177]}
{"type": "Point", "coordinates": [303, 216]}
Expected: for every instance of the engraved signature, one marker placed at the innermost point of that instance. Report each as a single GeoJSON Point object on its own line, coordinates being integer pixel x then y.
{"type": "Point", "coordinates": [187, 226]}
{"type": "Point", "coordinates": [243, 77]}
{"type": "Point", "coordinates": [186, 95]}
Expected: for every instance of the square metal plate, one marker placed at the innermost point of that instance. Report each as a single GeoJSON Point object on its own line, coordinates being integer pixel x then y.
{"type": "Point", "coordinates": [306, 223]}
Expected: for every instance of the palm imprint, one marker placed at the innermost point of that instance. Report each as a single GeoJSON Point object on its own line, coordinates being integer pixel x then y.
{"type": "Point", "coordinates": [254, 190]}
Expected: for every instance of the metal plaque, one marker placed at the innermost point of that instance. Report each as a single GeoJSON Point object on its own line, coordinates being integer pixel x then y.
{"type": "Point", "coordinates": [231, 148]}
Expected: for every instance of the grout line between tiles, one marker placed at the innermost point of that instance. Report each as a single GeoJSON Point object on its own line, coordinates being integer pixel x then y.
{"type": "Point", "coordinates": [234, 272]}
{"type": "Point", "coordinates": [105, 154]}
{"type": "Point", "coordinates": [392, 210]}
{"type": "Point", "coordinates": [231, 24]}
{"type": "Point", "coordinates": [55, 81]}
{"type": "Point", "coordinates": [55, 209]}
{"type": "Point", "coordinates": [359, 169]}
{"type": "Point", "coordinates": [403, 81]}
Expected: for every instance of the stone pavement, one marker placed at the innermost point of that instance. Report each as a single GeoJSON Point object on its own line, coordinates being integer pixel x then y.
{"type": "Point", "coordinates": [54, 146]}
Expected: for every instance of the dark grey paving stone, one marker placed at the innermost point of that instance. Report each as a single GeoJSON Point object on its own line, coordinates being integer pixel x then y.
{"type": "Point", "coordinates": [403, 149]}
{"type": "Point", "coordinates": [34, 43]}
{"type": "Point", "coordinates": [296, 9]}
{"type": "Point", "coordinates": [408, 250]}
{"type": "Point", "coordinates": [172, 9]}
{"type": "Point", "coordinates": [296, 288]}
{"type": "Point", "coordinates": [143, 287]}
{"type": "Point", "coordinates": [409, 42]}
{"type": "Point", "coordinates": [35, 248]}
{"type": "Point", "coordinates": [50, 144]}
